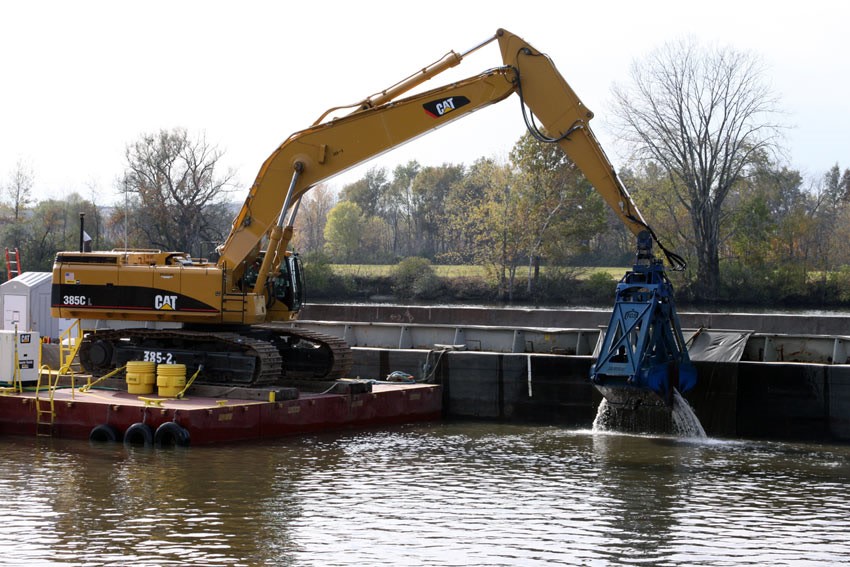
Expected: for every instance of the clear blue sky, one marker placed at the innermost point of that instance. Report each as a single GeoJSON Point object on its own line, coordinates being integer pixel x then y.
{"type": "Point", "coordinates": [82, 79]}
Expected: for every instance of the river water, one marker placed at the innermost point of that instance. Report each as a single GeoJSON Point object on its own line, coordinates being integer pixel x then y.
{"type": "Point", "coordinates": [434, 494]}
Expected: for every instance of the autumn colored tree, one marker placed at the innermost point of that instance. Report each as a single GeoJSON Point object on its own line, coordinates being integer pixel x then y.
{"type": "Point", "coordinates": [309, 234]}
{"type": "Point", "coordinates": [559, 206]}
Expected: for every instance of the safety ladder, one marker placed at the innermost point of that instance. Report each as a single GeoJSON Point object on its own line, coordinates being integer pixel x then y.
{"type": "Point", "coordinates": [13, 263]}
{"type": "Point", "coordinates": [45, 409]}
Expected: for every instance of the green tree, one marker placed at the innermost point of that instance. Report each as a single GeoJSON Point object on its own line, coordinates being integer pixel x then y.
{"type": "Point", "coordinates": [53, 227]}
{"type": "Point", "coordinates": [414, 278]}
{"type": "Point", "coordinates": [494, 223]}
{"type": "Point", "coordinates": [399, 210]}
{"type": "Point", "coordinates": [430, 188]}
{"type": "Point", "coordinates": [18, 191]}
{"type": "Point", "coordinates": [559, 207]}
{"type": "Point", "coordinates": [655, 194]}
{"type": "Point", "coordinates": [463, 224]}
{"type": "Point", "coordinates": [369, 192]}
{"type": "Point", "coordinates": [344, 231]}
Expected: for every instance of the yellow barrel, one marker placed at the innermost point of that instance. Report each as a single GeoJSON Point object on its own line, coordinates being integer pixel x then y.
{"type": "Point", "coordinates": [170, 379]}
{"type": "Point", "coordinates": [141, 377]}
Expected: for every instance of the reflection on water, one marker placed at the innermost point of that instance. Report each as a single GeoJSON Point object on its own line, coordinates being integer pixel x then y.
{"type": "Point", "coordinates": [442, 494]}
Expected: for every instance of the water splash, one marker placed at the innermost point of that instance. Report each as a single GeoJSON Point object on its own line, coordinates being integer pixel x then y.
{"type": "Point", "coordinates": [602, 421]}
{"type": "Point", "coordinates": [681, 421]}
{"type": "Point", "coordinates": [685, 421]}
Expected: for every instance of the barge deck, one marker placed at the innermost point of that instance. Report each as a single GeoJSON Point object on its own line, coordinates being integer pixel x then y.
{"type": "Point", "coordinates": [77, 413]}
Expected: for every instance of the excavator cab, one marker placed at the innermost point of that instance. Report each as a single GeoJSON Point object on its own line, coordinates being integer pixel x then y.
{"type": "Point", "coordinates": [287, 286]}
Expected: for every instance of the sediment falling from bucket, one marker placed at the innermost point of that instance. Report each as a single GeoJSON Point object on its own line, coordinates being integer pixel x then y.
{"type": "Point", "coordinates": [681, 420]}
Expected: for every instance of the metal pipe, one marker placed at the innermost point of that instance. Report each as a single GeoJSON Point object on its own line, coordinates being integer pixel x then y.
{"type": "Point", "coordinates": [82, 230]}
{"type": "Point", "coordinates": [480, 45]}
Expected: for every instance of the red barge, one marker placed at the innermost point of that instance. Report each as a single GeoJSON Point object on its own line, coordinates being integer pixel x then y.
{"type": "Point", "coordinates": [208, 417]}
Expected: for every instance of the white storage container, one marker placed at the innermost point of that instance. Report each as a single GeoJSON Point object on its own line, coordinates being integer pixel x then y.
{"type": "Point", "coordinates": [26, 347]}
{"type": "Point", "coordinates": [25, 303]}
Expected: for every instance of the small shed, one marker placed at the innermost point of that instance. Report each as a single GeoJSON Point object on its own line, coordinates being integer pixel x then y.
{"type": "Point", "coordinates": [25, 303]}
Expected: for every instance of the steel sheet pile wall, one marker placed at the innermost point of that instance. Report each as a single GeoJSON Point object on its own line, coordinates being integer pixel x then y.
{"type": "Point", "coordinates": [745, 399]}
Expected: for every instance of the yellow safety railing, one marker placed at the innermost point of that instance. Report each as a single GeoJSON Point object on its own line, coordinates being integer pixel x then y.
{"type": "Point", "coordinates": [69, 345]}
{"type": "Point", "coordinates": [17, 386]}
{"type": "Point", "coordinates": [48, 379]}
{"type": "Point", "coordinates": [189, 383]}
{"type": "Point", "coordinates": [91, 385]}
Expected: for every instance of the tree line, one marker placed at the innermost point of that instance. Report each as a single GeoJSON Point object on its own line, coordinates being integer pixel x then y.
{"type": "Point", "coordinates": [536, 207]}
{"type": "Point", "coordinates": [704, 171]}
{"type": "Point", "coordinates": [172, 195]}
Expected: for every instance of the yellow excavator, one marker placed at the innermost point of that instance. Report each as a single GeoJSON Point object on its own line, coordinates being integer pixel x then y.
{"type": "Point", "coordinates": [228, 308]}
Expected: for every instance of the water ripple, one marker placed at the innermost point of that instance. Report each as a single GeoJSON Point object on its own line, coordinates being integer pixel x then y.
{"type": "Point", "coordinates": [447, 494]}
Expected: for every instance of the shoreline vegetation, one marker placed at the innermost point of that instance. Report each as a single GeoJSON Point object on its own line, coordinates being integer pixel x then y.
{"type": "Point", "coordinates": [417, 280]}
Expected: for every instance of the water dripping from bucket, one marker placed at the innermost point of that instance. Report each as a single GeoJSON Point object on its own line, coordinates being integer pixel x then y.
{"type": "Point", "coordinates": [685, 421]}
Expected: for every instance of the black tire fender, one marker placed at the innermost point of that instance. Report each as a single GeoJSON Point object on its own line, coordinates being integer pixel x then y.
{"type": "Point", "coordinates": [171, 434]}
{"type": "Point", "coordinates": [104, 433]}
{"type": "Point", "coordinates": [139, 434]}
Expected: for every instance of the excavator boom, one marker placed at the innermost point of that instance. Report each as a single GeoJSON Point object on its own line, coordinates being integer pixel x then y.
{"type": "Point", "coordinates": [382, 122]}
{"type": "Point", "coordinates": [247, 288]}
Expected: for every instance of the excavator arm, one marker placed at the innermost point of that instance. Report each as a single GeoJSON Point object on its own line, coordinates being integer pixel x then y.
{"type": "Point", "coordinates": [311, 156]}
{"type": "Point", "coordinates": [643, 350]}
{"type": "Point", "coordinates": [384, 121]}
{"type": "Point", "coordinates": [642, 355]}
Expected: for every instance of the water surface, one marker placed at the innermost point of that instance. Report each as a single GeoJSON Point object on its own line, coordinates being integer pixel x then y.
{"type": "Point", "coordinates": [439, 494]}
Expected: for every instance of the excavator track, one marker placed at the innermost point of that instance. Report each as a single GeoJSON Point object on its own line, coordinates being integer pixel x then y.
{"type": "Point", "coordinates": [309, 355]}
{"type": "Point", "coordinates": [253, 356]}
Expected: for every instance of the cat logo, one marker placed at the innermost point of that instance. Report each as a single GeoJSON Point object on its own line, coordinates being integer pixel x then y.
{"type": "Point", "coordinates": [165, 302]}
{"type": "Point", "coordinates": [443, 106]}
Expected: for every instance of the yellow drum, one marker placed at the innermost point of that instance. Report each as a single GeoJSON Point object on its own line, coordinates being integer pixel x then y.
{"type": "Point", "coordinates": [141, 377]}
{"type": "Point", "coordinates": [170, 379]}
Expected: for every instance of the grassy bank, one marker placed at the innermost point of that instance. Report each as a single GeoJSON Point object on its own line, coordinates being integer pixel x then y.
{"type": "Point", "coordinates": [460, 284]}
{"type": "Point", "coordinates": [451, 271]}
{"type": "Point", "coordinates": [576, 286]}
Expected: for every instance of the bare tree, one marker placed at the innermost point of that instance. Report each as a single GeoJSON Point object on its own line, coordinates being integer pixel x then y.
{"type": "Point", "coordinates": [704, 115]}
{"type": "Point", "coordinates": [177, 190]}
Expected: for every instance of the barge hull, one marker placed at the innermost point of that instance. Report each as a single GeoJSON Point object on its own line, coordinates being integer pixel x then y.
{"type": "Point", "coordinates": [211, 420]}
